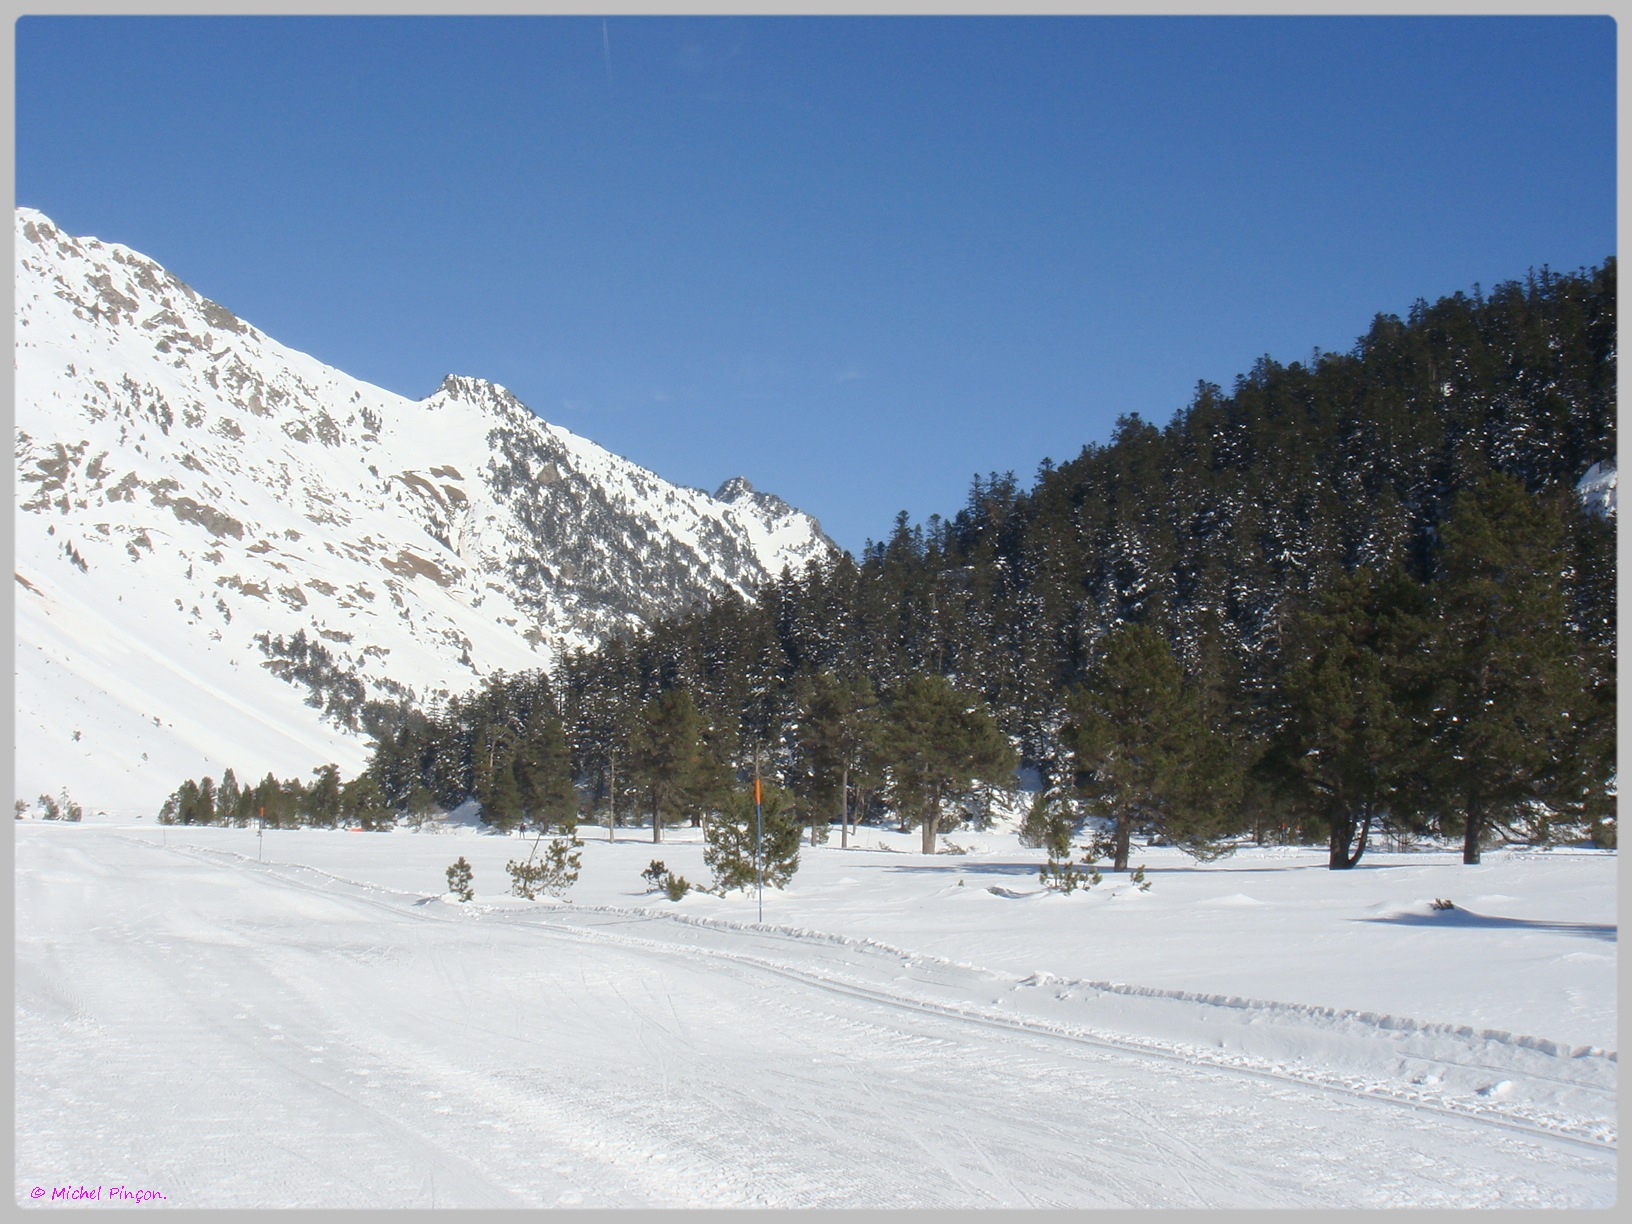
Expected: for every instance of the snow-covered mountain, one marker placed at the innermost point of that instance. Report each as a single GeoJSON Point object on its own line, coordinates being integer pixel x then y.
{"type": "Point", "coordinates": [189, 491]}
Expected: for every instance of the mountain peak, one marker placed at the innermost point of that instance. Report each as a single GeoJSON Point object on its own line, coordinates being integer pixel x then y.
{"type": "Point", "coordinates": [471, 390]}
{"type": "Point", "coordinates": [766, 515]}
{"type": "Point", "coordinates": [740, 493]}
{"type": "Point", "coordinates": [734, 490]}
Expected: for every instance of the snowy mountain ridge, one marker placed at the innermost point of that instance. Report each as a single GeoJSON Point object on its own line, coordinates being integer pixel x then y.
{"type": "Point", "coordinates": [187, 485]}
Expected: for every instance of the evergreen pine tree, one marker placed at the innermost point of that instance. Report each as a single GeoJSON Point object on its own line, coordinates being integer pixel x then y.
{"type": "Point", "coordinates": [186, 803]}
{"type": "Point", "coordinates": [1349, 744]}
{"type": "Point", "coordinates": [1505, 683]}
{"type": "Point", "coordinates": [227, 798]}
{"type": "Point", "coordinates": [362, 803]}
{"type": "Point", "coordinates": [496, 786]}
{"type": "Point", "coordinates": [543, 772]}
{"type": "Point", "coordinates": [1144, 750]}
{"type": "Point", "coordinates": [837, 746]}
{"type": "Point", "coordinates": [323, 799]}
{"type": "Point", "coordinates": [203, 811]}
{"type": "Point", "coordinates": [728, 837]}
{"type": "Point", "coordinates": [553, 873]}
{"type": "Point", "coordinates": [940, 742]}
{"type": "Point", "coordinates": [420, 805]}
{"type": "Point", "coordinates": [669, 758]}
{"type": "Point", "coordinates": [459, 879]}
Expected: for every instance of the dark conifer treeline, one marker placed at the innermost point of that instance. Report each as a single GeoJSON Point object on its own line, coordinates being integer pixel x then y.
{"type": "Point", "coordinates": [326, 801]}
{"type": "Point", "coordinates": [1230, 533]}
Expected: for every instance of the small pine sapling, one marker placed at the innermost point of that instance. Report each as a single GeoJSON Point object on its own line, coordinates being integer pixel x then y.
{"type": "Point", "coordinates": [1102, 845]}
{"type": "Point", "coordinates": [1138, 877]}
{"type": "Point", "coordinates": [459, 878]}
{"type": "Point", "coordinates": [654, 874]}
{"type": "Point", "coordinates": [562, 858]}
{"type": "Point", "coordinates": [1067, 877]}
{"type": "Point", "coordinates": [63, 809]}
{"type": "Point", "coordinates": [1034, 826]}
{"type": "Point", "coordinates": [675, 887]}
{"type": "Point", "coordinates": [526, 879]}
{"type": "Point", "coordinates": [553, 874]}
{"type": "Point", "coordinates": [729, 843]}
{"type": "Point", "coordinates": [1050, 825]}
{"type": "Point", "coordinates": [1442, 903]}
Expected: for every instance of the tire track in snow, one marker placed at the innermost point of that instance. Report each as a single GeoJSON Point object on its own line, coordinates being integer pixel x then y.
{"type": "Point", "coordinates": [1067, 1126]}
{"type": "Point", "coordinates": [652, 1154]}
{"type": "Point", "coordinates": [1590, 1134]}
{"type": "Point", "coordinates": [150, 1014]}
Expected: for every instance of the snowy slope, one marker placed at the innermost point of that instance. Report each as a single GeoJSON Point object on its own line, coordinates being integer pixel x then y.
{"type": "Point", "coordinates": [185, 483]}
{"type": "Point", "coordinates": [901, 1031]}
{"type": "Point", "coordinates": [1597, 489]}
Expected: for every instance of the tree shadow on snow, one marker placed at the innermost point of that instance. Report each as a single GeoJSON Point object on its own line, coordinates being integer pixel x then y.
{"type": "Point", "coordinates": [977, 867]}
{"type": "Point", "coordinates": [1467, 918]}
{"type": "Point", "coordinates": [963, 868]}
{"type": "Point", "coordinates": [1153, 870]}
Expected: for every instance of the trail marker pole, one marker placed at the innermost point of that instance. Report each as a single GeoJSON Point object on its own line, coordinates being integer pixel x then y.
{"type": "Point", "coordinates": [759, 840]}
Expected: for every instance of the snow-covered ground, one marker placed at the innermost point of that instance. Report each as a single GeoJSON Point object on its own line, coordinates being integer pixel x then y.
{"type": "Point", "coordinates": [307, 1020]}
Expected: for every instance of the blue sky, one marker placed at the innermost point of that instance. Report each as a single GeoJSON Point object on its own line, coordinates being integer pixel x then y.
{"type": "Point", "coordinates": [855, 260]}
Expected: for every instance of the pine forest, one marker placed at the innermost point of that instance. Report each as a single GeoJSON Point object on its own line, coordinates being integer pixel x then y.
{"type": "Point", "coordinates": [1347, 598]}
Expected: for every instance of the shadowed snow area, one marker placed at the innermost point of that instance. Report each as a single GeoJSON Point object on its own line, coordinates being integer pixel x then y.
{"type": "Point", "coordinates": [307, 1020]}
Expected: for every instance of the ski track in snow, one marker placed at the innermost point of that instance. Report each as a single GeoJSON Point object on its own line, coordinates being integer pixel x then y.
{"type": "Point", "coordinates": [1589, 1070]}
{"type": "Point", "coordinates": [237, 1033]}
